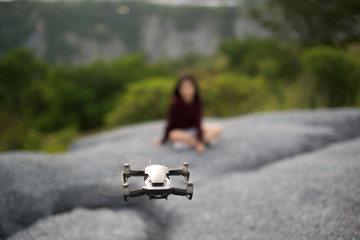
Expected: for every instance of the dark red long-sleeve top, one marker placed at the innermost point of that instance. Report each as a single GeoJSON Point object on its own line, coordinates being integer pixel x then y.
{"type": "Point", "coordinates": [184, 115]}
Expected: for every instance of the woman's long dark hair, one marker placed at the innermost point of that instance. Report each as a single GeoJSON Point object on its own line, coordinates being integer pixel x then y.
{"type": "Point", "coordinates": [181, 79]}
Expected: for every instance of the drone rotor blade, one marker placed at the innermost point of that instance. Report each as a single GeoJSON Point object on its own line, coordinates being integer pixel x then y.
{"type": "Point", "coordinates": [112, 187]}
{"type": "Point", "coordinates": [176, 160]}
{"type": "Point", "coordinates": [115, 166]}
{"type": "Point", "coordinates": [138, 162]}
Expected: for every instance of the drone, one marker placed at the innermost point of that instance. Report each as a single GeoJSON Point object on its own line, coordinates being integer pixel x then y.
{"type": "Point", "coordinates": [157, 184]}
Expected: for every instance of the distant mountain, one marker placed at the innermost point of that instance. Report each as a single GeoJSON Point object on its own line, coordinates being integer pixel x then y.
{"type": "Point", "coordinates": [81, 31]}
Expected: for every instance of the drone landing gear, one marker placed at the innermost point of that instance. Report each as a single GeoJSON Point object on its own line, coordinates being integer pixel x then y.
{"type": "Point", "coordinates": [188, 191]}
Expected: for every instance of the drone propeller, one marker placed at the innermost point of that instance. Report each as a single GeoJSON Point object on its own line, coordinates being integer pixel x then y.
{"type": "Point", "coordinates": [112, 187]}
{"type": "Point", "coordinates": [175, 160]}
{"type": "Point", "coordinates": [115, 166]}
{"type": "Point", "coordinates": [138, 162]}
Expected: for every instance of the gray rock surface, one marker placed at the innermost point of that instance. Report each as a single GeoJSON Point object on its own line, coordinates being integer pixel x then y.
{"type": "Point", "coordinates": [242, 190]}
{"type": "Point", "coordinates": [311, 196]}
{"type": "Point", "coordinates": [88, 224]}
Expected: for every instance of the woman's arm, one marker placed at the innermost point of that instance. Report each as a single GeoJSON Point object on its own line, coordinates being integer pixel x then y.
{"type": "Point", "coordinates": [198, 122]}
{"type": "Point", "coordinates": [170, 121]}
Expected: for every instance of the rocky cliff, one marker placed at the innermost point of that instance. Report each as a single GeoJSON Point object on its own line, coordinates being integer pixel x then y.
{"type": "Point", "coordinates": [280, 175]}
{"type": "Point", "coordinates": [80, 32]}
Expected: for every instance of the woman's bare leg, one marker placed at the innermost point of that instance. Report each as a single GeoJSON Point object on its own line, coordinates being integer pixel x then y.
{"type": "Point", "coordinates": [182, 136]}
{"type": "Point", "coordinates": [211, 131]}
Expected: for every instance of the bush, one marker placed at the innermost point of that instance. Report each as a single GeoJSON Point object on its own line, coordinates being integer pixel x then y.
{"type": "Point", "coordinates": [264, 57]}
{"type": "Point", "coordinates": [226, 95]}
{"type": "Point", "coordinates": [44, 107]}
{"type": "Point", "coordinates": [329, 72]}
{"type": "Point", "coordinates": [142, 101]}
{"type": "Point", "coordinates": [14, 135]}
{"type": "Point", "coordinates": [37, 100]}
{"type": "Point", "coordinates": [59, 141]}
{"type": "Point", "coordinates": [231, 94]}
{"type": "Point", "coordinates": [91, 89]}
{"type": "Point", "coordinates": [353, 53]}
{"type": "Point", "coordinates": [11, 132]}
{"type": "Point", "coordinates": [18, 70]}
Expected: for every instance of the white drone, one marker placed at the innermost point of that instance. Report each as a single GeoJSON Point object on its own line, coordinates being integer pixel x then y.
{"type": "Point", "coordinates": [157, 183]}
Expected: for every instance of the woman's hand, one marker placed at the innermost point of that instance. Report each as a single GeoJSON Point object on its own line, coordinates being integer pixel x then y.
{"type": "Point", "coordinates": [200, 147]}
{"type": "Point", "coordinates": [157, 142]}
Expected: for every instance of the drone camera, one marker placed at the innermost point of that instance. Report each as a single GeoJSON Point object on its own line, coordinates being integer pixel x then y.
{"type": "Point", "coordinates": [158, 184]}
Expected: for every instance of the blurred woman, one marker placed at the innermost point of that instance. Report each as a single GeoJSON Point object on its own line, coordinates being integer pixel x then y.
{"type": "Point", "coordinates": [185, 116]}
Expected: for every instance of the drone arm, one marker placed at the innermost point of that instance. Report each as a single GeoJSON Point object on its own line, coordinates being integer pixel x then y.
{"type": "Point", "coordinates": [137, 192]}
{"type": "Point", "coordinates": [132, 173]}
{"type": "Point", "coordinates": [137, 173]}
{"type": "Point", "coordinates": [128, 193]}
{"type": "Point", "coordinates": [188, 192]}
{"type": "Point", "coordinates": [183, 171]}
{"type": "Point", "coordinates": [175, 172]}
{"type": "Point", "coordinates": [179, 191]}
{"type": "Point", "coordinates": [128, 172]}
{"type": "Point", "coordinates": [180, 172]}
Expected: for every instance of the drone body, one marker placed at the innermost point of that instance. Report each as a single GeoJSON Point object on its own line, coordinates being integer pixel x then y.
{"type": "Point", "coordinates": [157, 183]}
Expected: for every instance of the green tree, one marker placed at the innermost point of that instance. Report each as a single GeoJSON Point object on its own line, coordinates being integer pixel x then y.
{"type": "Point", "coordinates": [330, 72]}
{"type": "Point", "coordinates": [264, 57]}
{"type": "Point", "coordinates": [312, 22]}
{"type": "Point", "coordinates": [143, 101]}
{"type": "Point", "coordinates": [232, 94]}
{"type": "Point", "coordinates": [18, 70]}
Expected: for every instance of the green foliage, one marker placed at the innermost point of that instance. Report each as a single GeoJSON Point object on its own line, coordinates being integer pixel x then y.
{"type": "Point", "coordinates": [263, 57]}
{"type": "Point", "coordinates": [11, 132]}
{"type": "Point", "coordinates": [38, 101]}
{"type": "Point", "coordinates": [226, 95]}
{"type": "Point", "coordinates": [331, 71]}
{"type": "Point", "coordinates": [353, 53]}
{"type": "Point", "coordinates": [231, 94]}
{"type": "Point", "coordinates": [312, 22]}
{"type": "Point", "coordinates": [18, 70]}
{"type": "Point", "coordinates": [44, 107]}
{"type": "Point", "coordinates": [31, 139]}
{"type": "Point", "coordinates": [58, 141]}
{"type": "Point", "coordinates": [80, 96]}
{"type": "Point", "coordinates": [55, 103]}
{"type": "Point", "coordinates": [143, 101]}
